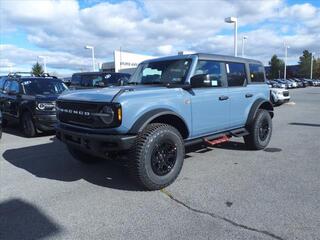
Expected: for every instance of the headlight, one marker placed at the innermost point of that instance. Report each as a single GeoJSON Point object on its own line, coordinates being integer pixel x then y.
{"type": "Point", "coordinates": [107, 115]}
{"type": "Point", "coordinates": [46, 106]}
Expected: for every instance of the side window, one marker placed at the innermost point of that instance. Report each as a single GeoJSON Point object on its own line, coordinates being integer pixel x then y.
{"type": "Point", "coordinates": [75, 79]}
{"type": "Point", "coordinates": [236, 74]}
{"type": "Point", "coordinates": [6, 86]}
{"type": "Point", "coordinates": [2, 80]}
{"type": "Point", "coordinates": [14, 87]}
{"type": "Point", "coordinates": [214, 69]}
{"type": "Point", "coordinates": [256, 72]}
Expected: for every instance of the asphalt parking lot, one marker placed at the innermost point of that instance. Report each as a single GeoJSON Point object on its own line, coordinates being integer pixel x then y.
{"type": "Point", "coordinates": [226, 192]}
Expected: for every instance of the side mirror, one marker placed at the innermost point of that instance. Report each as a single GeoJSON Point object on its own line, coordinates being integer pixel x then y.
{"type": "Point", "coordinates": [68, 83]}
{"type": "Point", "coordinates": [100, 84]}
{"type": "Point", "coordinates": [202, 81]}
{"type": "Point", "coordinates": [123, 81]}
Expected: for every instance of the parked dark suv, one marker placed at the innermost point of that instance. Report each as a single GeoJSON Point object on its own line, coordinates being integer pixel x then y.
{"type": "Point", "coordinates": [98, 79]}
{"type": "Point", "coordinates": [30, 101]}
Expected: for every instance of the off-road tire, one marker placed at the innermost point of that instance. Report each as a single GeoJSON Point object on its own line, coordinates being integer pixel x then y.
{"type": "Point", "coordinates": [142, 157]}
{"type": "Point", "coordinates": [82, 156]}
{"type": "Point", "coordinates": [260, 134]}
{"type": "Point", "coordinates": [4, 123]}
{"type": "Point", "coordinates": [27, 125]}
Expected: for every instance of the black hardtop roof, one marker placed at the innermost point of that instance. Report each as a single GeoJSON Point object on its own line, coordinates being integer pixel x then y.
{"type": "Point", "coordinates": [28, 78]}
{"type": "Point", "coordinates": [207, 56]}
{"type": "Point", "coordinates": [227, 58]}
{"type": "Point", "coordinates": [95, 73]}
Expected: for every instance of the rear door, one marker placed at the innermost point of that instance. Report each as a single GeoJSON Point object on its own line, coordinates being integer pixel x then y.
{"type": "Point", "coordinates": [241, 96]}
{"type": "Point", "coordinates": [210, 105]}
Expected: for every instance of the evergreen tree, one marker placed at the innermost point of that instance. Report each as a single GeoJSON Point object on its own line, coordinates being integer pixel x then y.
{"type": "Point", "coordinates": [305, 64]}
{"type": "Point", "coordinates": [276, 66]}
{"type": "Point", "coordinates": [37, 69]}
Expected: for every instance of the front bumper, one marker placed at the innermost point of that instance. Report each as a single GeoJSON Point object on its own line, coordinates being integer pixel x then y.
{"type": "Point", "coordinates": [95, 144]}
{"type": "Point", "coordinates": [45, 122]}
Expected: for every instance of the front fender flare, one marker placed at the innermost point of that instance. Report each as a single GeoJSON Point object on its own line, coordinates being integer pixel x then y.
{"type": "Point", "coordinates": [149, 116]}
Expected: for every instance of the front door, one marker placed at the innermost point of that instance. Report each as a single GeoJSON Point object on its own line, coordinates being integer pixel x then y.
{"type": "Point", "coordinates": [12, 98]}
{"type": "Point", "coordinates": [210, 105]}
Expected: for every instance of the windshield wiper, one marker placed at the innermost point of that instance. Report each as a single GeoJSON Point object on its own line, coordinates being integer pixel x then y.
{"type": "Point", "coordinates": [131, 83]}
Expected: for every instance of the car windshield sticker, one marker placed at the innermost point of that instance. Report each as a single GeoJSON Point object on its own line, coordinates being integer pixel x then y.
{"type": "Point", "coordinates": [227, 65]}
{"type": "Point", "coordinates": [26, 82]}
{"type": "Point", "coordinates": [107, 76]}
{"type": "Point", "coordinates": [214, 83]}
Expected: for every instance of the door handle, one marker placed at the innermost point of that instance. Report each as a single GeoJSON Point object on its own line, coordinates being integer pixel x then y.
{"type": "Point", "coordinates": [223, 98]}
{"type": "Point", "coordinates": [248, 95]}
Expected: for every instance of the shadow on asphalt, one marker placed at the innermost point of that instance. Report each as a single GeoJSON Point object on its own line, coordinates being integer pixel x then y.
{"type": "Point", "coordinates": [52, 161]}
{"type": "Point", "coordinates": [15, 130]}
{"type": "Point", "coordinates": [305, 124]}
{"type": "Point", "coordinates": [22, 220]}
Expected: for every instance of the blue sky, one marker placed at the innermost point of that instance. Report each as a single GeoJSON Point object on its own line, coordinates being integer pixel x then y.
{"type": "Point", "coordinates": [60, 29]}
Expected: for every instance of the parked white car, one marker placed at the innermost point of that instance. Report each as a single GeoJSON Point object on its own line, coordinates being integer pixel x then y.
{"type": "Point", "coordinates": [279, 96]}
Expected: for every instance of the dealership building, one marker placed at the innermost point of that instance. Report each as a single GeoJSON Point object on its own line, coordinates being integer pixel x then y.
{"type": "Point", "coordinates": [124, 62]}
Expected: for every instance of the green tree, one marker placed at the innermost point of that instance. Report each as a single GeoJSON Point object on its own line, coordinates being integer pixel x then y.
{"type": "Point", "coordinates": [37, 69]}
{"type": "Point", "coordinates": [305, 65]}
{"type": "Point", "coordinates": [317, 69]}
{"type": "Point", "coordinates": [276, 66]}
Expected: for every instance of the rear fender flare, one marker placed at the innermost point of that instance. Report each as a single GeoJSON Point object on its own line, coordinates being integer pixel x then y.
{"type": "Point", "coordinates": [259, 104]}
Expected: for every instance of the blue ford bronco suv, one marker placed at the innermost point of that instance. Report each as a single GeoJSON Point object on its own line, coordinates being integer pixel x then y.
{"type": "Point", "coordinates": [169, 103]}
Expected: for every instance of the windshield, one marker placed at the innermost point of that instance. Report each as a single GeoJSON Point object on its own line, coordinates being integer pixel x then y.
{"type": "Point", "coordinates": [43, 87]}
{"type": "Point", "coordinates": [162, 72]}
{"type": "Point", "coordinates": [92, 80]}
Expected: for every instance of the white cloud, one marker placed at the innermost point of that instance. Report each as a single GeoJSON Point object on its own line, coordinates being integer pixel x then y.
{"type": "Point", "coordinates": [165, 49]}
{"type": "Point", "coordinates": [62, 29]}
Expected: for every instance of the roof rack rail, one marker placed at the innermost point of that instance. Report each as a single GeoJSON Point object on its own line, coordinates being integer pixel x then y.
{"type": "Point", "coordinates": [47, 75]}
{"type": "Point", "coordinates": [19, 74]}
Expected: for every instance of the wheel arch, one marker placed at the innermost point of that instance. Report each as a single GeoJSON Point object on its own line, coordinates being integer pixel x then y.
{"type": "Point", "coordinates": [161, 116]}
{"type": "Point", "coordinates": [259, 104]}
{"type": "Point", "coordinates": [23, 109]}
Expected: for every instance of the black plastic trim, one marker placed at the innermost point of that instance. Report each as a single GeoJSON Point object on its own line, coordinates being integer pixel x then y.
{"type": "Point", "coordinates": [146, 118]}
{"type": "Point", "coordinates": [254, 108]}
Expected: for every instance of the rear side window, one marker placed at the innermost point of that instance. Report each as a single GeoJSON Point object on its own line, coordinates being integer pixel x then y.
{"type": "Point", "coordinates": [256, 72]}
{"type": "Point", "coordinates": [75, 79]}
{"type": "Point", "coordinates": [214, 69]}
{"type": "Point", "coordinates": [236, 74]}
{"type": "Point", "coordinates": [14, 87]}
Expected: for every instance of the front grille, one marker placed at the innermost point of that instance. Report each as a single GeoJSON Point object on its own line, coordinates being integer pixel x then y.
{"type": "Point", "coordinates": [79, 113]}
{"type": "Point", "coordinates": [286, 93]}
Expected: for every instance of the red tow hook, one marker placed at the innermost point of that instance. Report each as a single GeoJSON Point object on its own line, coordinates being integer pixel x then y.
{"type": "Point", "coordinates": [216, 141]}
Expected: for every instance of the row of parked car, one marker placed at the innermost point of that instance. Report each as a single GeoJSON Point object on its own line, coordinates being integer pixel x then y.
{"type": "Point", "coordinates": [293, 83]}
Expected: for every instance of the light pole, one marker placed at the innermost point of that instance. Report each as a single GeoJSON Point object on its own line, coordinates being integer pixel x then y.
{"type": "Point", "coordinates": [10, 67]}
{"type": "Point", "coordinates": [44, 63]}
{"type": "Point", "coordinates": [234, 20]}
{"type": "Point", "coordinates": [285, 60]}
{"type": "Point", "coordinates": [92, 51]}
{"type": "Point", "coordinates": [244, 38]}
{"type": "Point", "coordinates": [311, 64]}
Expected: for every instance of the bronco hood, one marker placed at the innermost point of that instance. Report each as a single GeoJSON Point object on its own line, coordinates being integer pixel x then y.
{"type": "Point", "coordinates": [46, 98]}
{"type": "Point", "coordinates": [108, 94]}
{"type": "Point", "coordinates": [94, 95]}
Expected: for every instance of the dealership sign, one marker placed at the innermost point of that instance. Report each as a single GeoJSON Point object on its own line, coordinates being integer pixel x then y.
{"type": "Point", "coordinates": [127, 60]}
